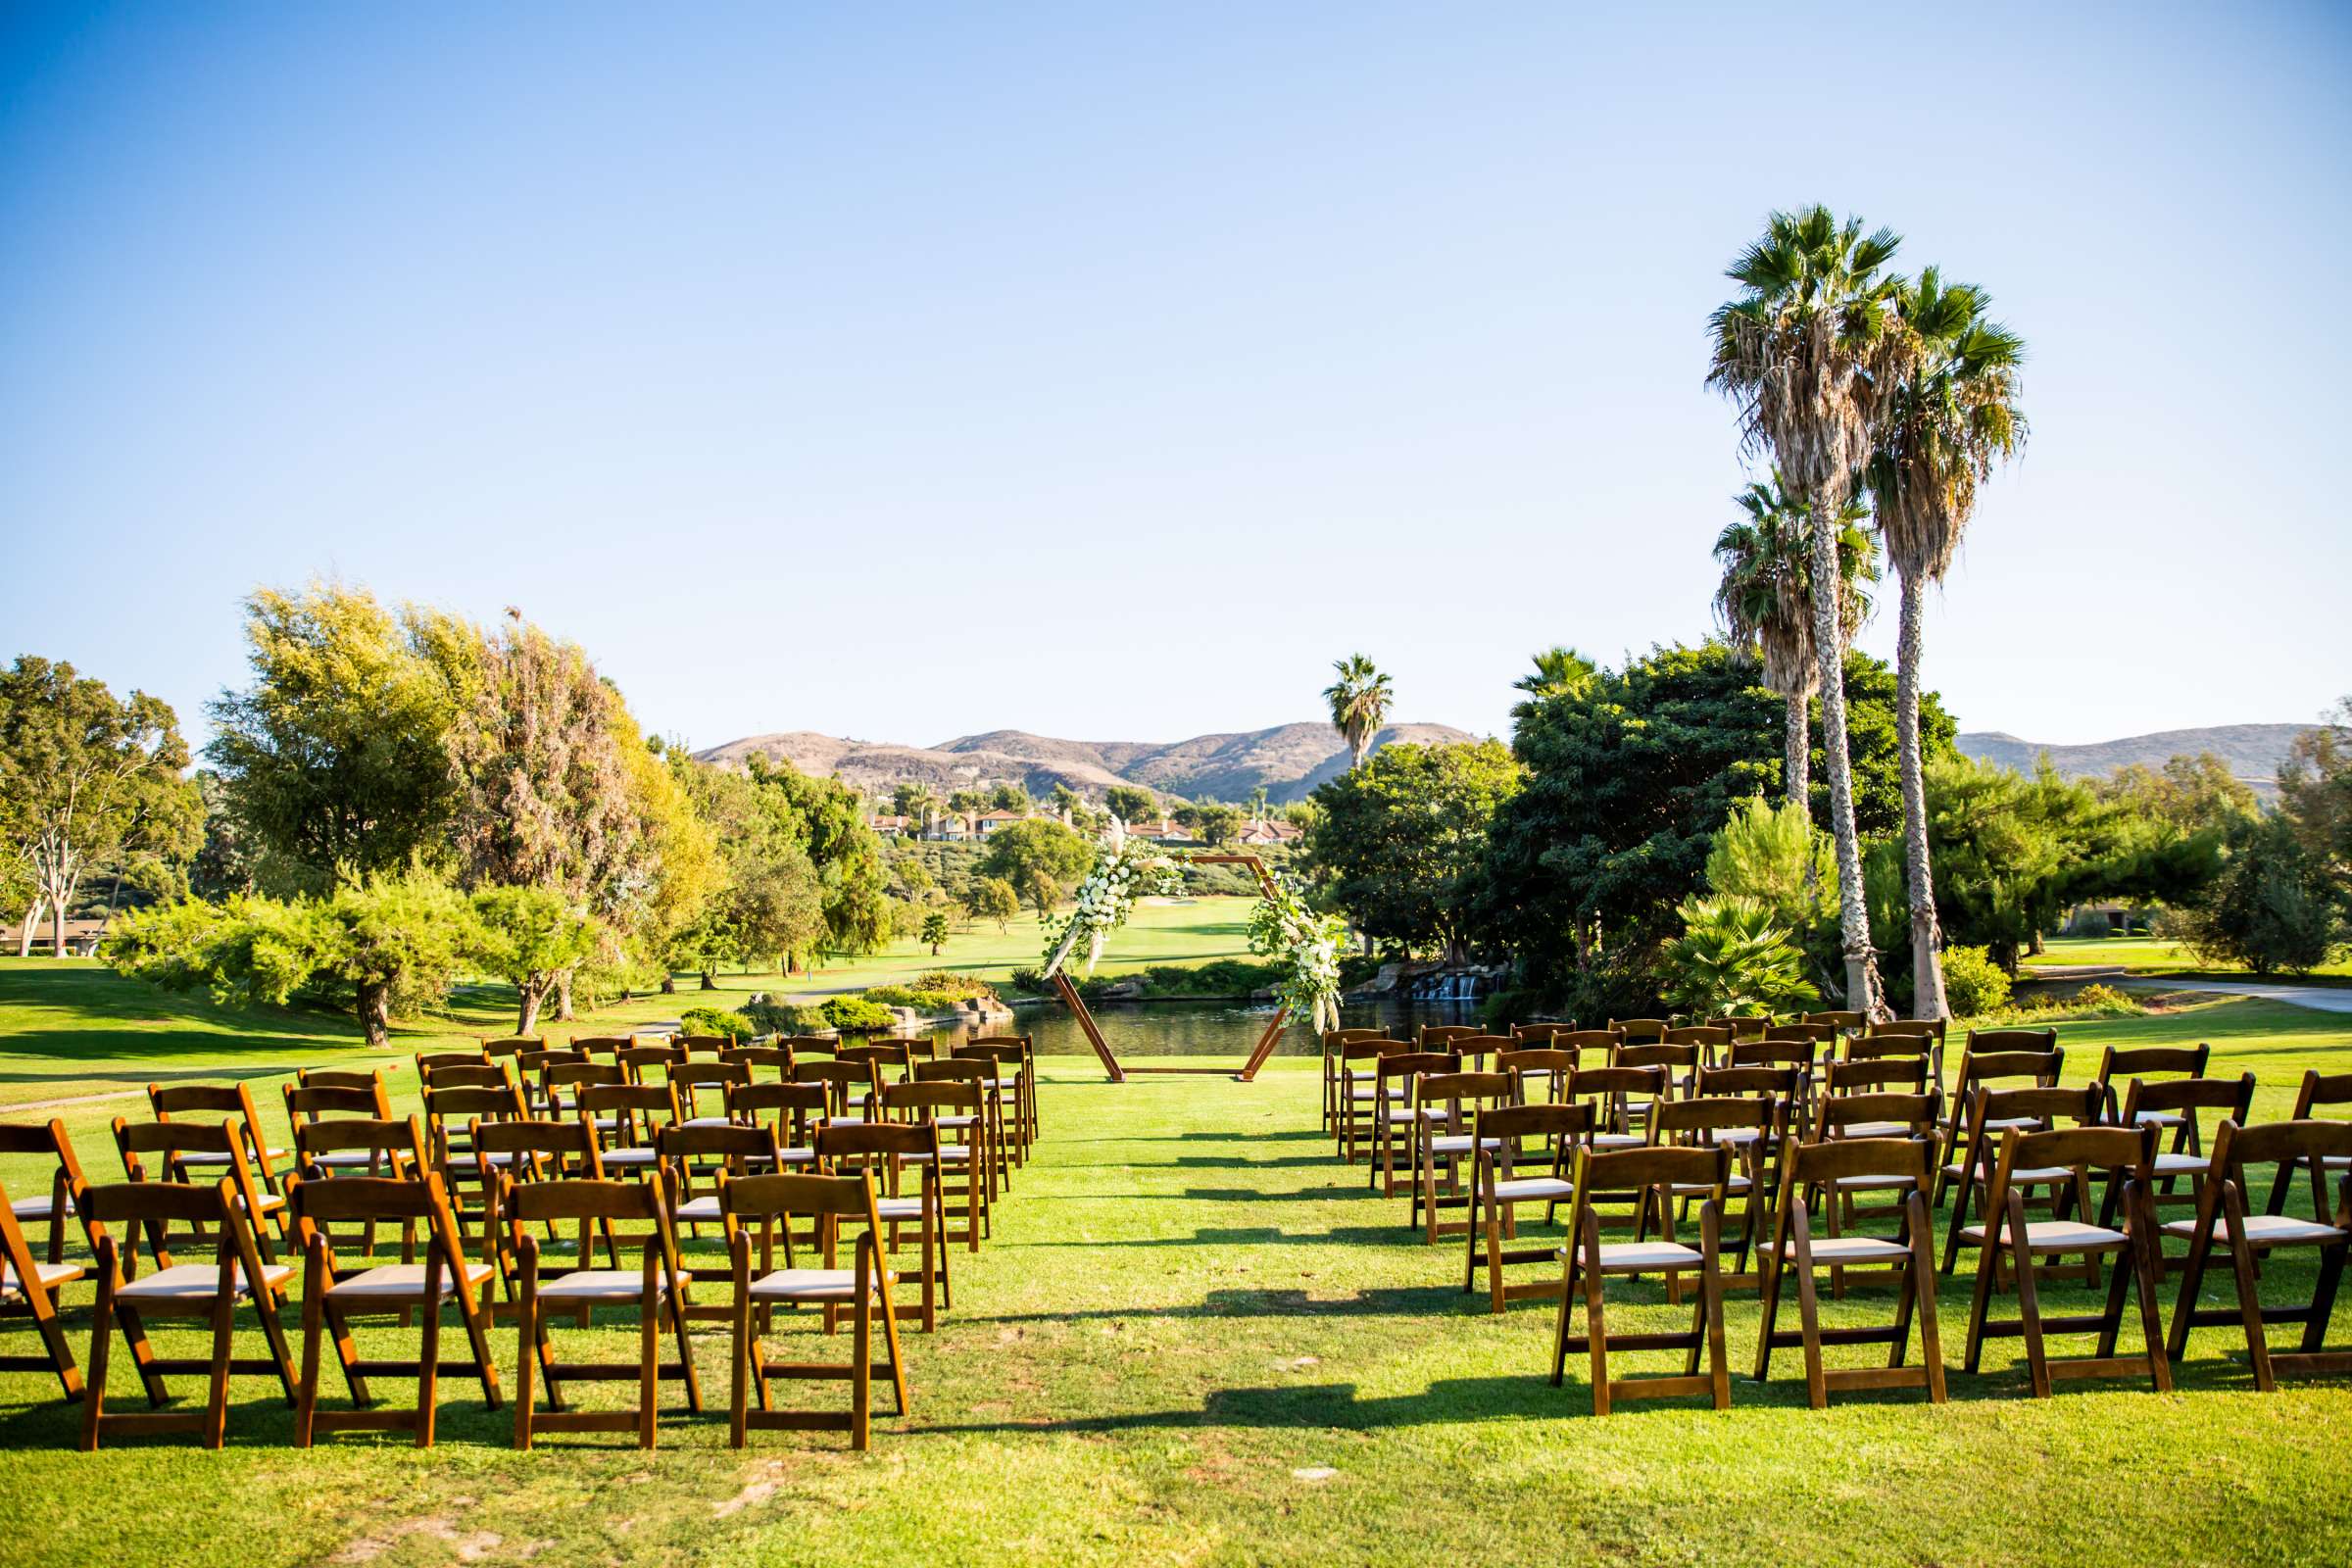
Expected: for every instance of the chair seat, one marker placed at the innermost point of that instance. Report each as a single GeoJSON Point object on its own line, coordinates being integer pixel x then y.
{"type": "Point", "coordinates": [1631, 1256]}
{"type": "Point", "coordinates": [401, 1282]}
{"type": "Point", "coordinates": [1873, 1184]}
{"type": "Point", "coordinates": [708, 1121]}
{"type": "Point", "coordinates": [600, 1285]}
{"type": "Point", "coordinates": [949, 1155]}
{"type": "Point", "coordinates": [699, 1209]}
{"type": "Point", "coordinates": [1875, 1129]}
{"type": "Point", "coordinates": [2182, 1165]}
{"type": "Point", "coordinates": [477, 1160]}
{"type": "Point", "coordinates": [2054, 1234]}
{"type": "Point", "coordinates": [1526, 1187]}
{"type": "Point", "coordinates": [49, 1274]}
{"type": "Point", "coordinates": [628, 1156]}
{"type": "Point", "coordinates": [957, 1121]}
{"type": "Point", "coordinates": [2156, 1119]}
{"type": "Point", "coordinates": [1461, 1143]}
{"type": "Point", "coordinates": [31, 1208]}
{"type": "Point", "coordinates": [809, 1285]}
{"type": "Point", "coordinates": [196, 1281]}
{"type": "Point", "coordinates": [1738, 1137]}
{"type": "Point", "coordinates": [2035, 1174]}
{"type": "Point", "coordinates": [1850, 1249]}
{"type": "Point", "coordinates": [898, 1207]}
{"type": "Point", "coordinates": [1619, 1141]}
{"type": "Point", "coordinates": [1425, 1114]}
{"type": "Point", "coordinates": [349, 1159]}
{"type": "Point", "coordinates": [2002, 1124]}
{"type": "Point", "coordinates": [2263, 1230]}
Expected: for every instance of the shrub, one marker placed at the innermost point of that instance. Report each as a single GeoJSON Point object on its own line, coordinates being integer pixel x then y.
{"type": "Point", "coordinates": [718, 1021]}
{"type": "Point", "coordinates": [2272, 907]}
{"type": "Point", "coordinates": [1733, 959]}
{"type": "Point", "coordinates": [1972, 984]}
{"type": "Point", "coordinates": [856, 1015]}
{"type": "Point", "coordinates": [2091, 1002]}
{"type": "Point", "coordinates": [947, 982]}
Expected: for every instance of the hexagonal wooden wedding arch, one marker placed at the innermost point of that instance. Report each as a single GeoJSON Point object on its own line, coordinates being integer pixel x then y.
{"type": "Point", "coordinates": [1119, 1073]}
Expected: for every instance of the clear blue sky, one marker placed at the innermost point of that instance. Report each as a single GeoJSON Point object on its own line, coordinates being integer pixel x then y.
{"type": "Point", "coordinates": [1108, 371]}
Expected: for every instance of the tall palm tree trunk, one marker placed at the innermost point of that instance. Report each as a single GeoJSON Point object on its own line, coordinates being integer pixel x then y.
{"type": "Point", "coordinates": [1927, 963]}
{"type": "Point", "coordinates": [1829, 648]}
{"type": "Point", "coordinates": [1796, 753]}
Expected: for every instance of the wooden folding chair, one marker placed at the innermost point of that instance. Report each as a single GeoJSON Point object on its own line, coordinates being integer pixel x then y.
{"type": "Point", "coordinates": [2171, 1106]}
{"type": "Point", "coordinates": [210, 1292]}
{"type": "Point", "coordinates": [1611, 1091]}
{"type": "Point", "coordinates": [1922, 1038]}
{"type": "Point", "coordinates": [1823, 1170]}
{"type": "Point", "coordinates": [28, 1285]}
{"type": "Point", "coordinates": [210, 1101]}
{"type": "Point", "coordinates": [218, 1148]}
{"type": "Point", "coordinates": [697, 1154]}
{"type": "Point", "coordinates": [752, 1059]}
{"type": "Point", "coordinates": [530, 1071]}
{"type": "Point", "coordinates": [48, 1141]}
{"type": "Point", "coordinates": [2118, 1065]}
{"type": "Point", "coordinates": [1539, 1073]}
{"type": "Point", "coordinates": [2318, 1091]}
{"type": "Point", "coordinates": [1994, 1114]}
{"type": "Point", "coordinates": [643, 1062]}
{"type": "Point", "coordinates": [1748, 1125]}
{"type": "Point", "coordinates": [1395, 1110]}
{"type": "Point", "coordinates": [451, 1150]}
{"type": "Point", "coordinates": [1442, 1036]}
{"type": "Point", "coordinates": [850, 1087]}
{"type": "Point", "coordinates": [309, 1103]}
{"type": "Point", "coordinates": [1652, 1173]}
{"type": "Point", "coordinates": [1741, 1028]}
{"type": "Point", "coordinates": [887, 1151]}
{"type": "Point", "coordinates": [1800, 1055]}
{"type": "Point", "coordinates": [1015, 1056]}
{"type": "Point", "coordinates": [767, 1205]}
{"type": "Point", "coordinates": [1681, 1064]}
{"type": "Point", "coordinates": [333, 1293]}
{"type": "Point", "coordinates": [367, 1145]}
{"type": "Point", "coordinates": [1333, 1040]}
{"type": "Point", "coordinates": [946, 1105]}
{"type": "Point", "coordinates": [1993, 1056]}
{"type": "Point", "coordinates": [542, 1149]}
{"type": "Point", "coordinates": [1358, 1090]}
{"type": "Point", "coordinates": [694, 1082]}
{"type": "Point", "coordinates": [984, 1129]}
{"type": "Point", "coordinates": [2122, 1155]}
{"type": "Point", "coordinates": [1640, 1031]}
{"type": "Point", "coordinates": [790, 1111]}
{"type": "Point", "coordinates": [1443, 1140]}
{"type": "Point", "coordinates": [627, 1119]}
{"type": "Point", "coordinates": [1504, 1131]}
{"type": "Point", "coordinates": [559, 1084]}
{"type": "Point", "coordinates": [1532, 1035]}
{"type": "Point", "coordinates": [1869, 1113]}
{"type": "Point", "coordinates": [2222, 1225]}
{"type": "Point", "coordinates": [657, 1291]}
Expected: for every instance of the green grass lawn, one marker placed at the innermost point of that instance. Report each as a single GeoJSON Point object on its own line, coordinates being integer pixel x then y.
{"type": "Point", "coordinates": [2156, 957]}
{"type": "Point", "coordinates": [1197, 1338]}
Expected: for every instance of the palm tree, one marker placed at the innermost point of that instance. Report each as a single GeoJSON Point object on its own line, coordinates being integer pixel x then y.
{"type": "Point", "coordinates": [1359, 704]}
{"type": "Point", "coordinates": [1765, 601]}
{"type": "Point", "coordinates": [1560, 672]}
{"type": "Point", "coordinates": [1807, 351]}
{"type": "Point", "coordinates": [1948, 420]}
{"type": "Point", "coordinates": [918, 802]}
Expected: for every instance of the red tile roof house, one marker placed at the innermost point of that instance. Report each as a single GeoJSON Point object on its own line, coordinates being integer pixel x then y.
{"type": "Point", "coordinates": [988, 822]}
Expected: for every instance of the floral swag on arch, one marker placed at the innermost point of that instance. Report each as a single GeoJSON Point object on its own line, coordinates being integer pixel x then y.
{"type": "Point", "coordinates": [1281, 926]}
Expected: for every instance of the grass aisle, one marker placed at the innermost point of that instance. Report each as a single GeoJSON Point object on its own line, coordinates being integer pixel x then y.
{"type": "Point", "coordinates": [1198, 1338]}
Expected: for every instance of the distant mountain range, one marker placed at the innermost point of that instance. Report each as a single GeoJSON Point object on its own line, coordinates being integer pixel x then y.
{"type": "Point", "coordinates": [1291, 760]}
{"type": "Point", "coordinates": [2253, 751]}
{"type": "Point", "coordinates": [1288, 760]}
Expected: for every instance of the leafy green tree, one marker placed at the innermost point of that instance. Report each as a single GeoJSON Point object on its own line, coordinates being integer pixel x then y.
{"type": "Point", "coordinates": [1359, 704]}
{"type": "Point", "coordinates": [968, 802]}
{"type": "Point", "coordinates": [400, 942]}
{"type": "Point", "coordinates": [2274, 907]}
{"type": "Point", "coordinates": [843, 848]}
{"type": "Point", "coordinates": [1732, 960]}
{"type": "Point", "coordinates": [2194, 794]}
{"type": "Point", "coordinates": [1404, 836]}
{"type": "Point", "coordinates": [1559, 672]}
{"type": "Point", "coordinates": [530, 937]}
{"type": "Point", "coordinates": [1765, 601]}
{"type": "Point", "coordinates": [918, 802]}
{"type": "Point", "coordinates": [992, 898]}
{"type": "Point", "coordinates": [1130, 803]}
{"type": "Point", "coordinates": [1067, 802]}
{"type": "Point", "coordinates": [338, 757]}
{"type": "Point", "coordinates": [88, 781]}
{"type": "Point", "coordinates": [935, 931]}
{"type": "Point", "coordinates": [1009, 798]}
{"type": "Point", "coordinates": [1806, 351]}
{"type": "Point", "coordinates": [1041, 860]}
{"type": "Point", "coordinates": [1218, 826]}
{"type": "Point", "coordinates": [1628, 783]}
{"type": "Point", "coordinates": [1949, 418]}
{"type": "Point", "coordinates": [2315, 791]}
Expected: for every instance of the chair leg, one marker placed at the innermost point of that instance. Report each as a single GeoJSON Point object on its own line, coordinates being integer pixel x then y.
{"type": "Point", "coordinates": [2037, 1359]}
{"type": "Point", "coordinates": [1711, 1290]}
{"type": "Point", "coordinates": [527, 1349]}
{"type": "Point", "coordinates": [1808, 1310]}
{"type": "Point", "coordinates": [428, 1359]}
{"type": "Point", "coordinates": [739, 1359]}
{"type": "Point", "coordinates": [1922, 1290]}
{"type": "Point", "coordinates": [216, 1408]}
{"type": "Point", "coordinates": [102, 1331]}
{"type": "Point", "coordinates": [648, 1345]}
{"type": "Point", "coordinates": [314, 1302]}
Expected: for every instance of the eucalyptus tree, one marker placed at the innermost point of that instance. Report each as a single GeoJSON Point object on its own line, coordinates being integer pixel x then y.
{"type": "Point", "coordinates": [1765, 601]}
{"type": "Point", "coordinates": [1359, 704]}
{"type": "Point", "coordinates": [1947, 420]}
{"type": "Point", "coordinates": [1807, 351]}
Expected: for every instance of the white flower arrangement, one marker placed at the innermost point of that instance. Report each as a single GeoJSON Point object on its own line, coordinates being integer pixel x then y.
{"type": "Point", "coordinates": [1122, 875]}
{"type": "Point", "coordinates": [1283, 926]}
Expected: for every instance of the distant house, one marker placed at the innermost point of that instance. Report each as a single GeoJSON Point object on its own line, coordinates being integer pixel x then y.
{"type": "Point", "coordinates": [1163, 831]}
{"type": "Point", "coordinates": [1268, 831]}
{"type": "Point", "coordinates": [892, 827]}
{"type": "Point", "coordinates": [950, 827]}
{"type": "Point", "coordinates": [988, 822]}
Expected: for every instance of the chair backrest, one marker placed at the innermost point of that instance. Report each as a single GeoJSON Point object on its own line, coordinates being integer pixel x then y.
{"type": "Point", "coordinates": [1373, 1049]}
{"type": "Point", "coordinates": [689, 1077]}
{"type": "Point", "coordinates": [880, 1054]}
{"type": "Point", "coordinates": [1440, 1036]}
{"type": "Point", "coordinates": [2042, 1104]}
{"type": "Point", "coordinates": [1820, 1034]}
{"type": "Point", "coordinates": [705, 1044]}
{"type": "Point", "coordinates": [524, 1203]}
{"type": "Point", "coordinates": [1531, 1035]}
{"type": "Point", "coordinates": [1979, 1066]}
{"type": "Point", "coordinates": [1806, 1165]}
{"type": "Point", "coordinates": [1608, 1089]}
{"type": "Point", "coordinates": [154, 1206]}
{"type": "Point", "coordinates": [877, 1145]}
{"type": "Point", "coordinates": [1642, 1031]}
{"type": "Point", "coordinates": [313, 1101]}
{"type": "Point", "coordinates": [1410, 1064]}
{"type": "Point", "coordinates": [923, 1102]}
{"type": "Point", "coordinates": [1917, 1110]}
{"type": "Point", "coordinates": [1334, 1037]}
{"type": "Point", "coordinates": [1010, 1052]}
{"type": "Point", "coordinates": [955, 1071]}
{"type": "Point", "coordinates": [429, 1062]}
{"type": "Point", "coordinates": [1886, 1073]}
{"type": "Point", "coordinates": [1782, 1083]}
{"type": "Point", "coordinates": [2233, 1097]}
{"type": "Point", "coordinates": [531, 1065]}
{"type": "Point", "coordinates": [467, 1075]}
{"type": "Point", "coordinates": [1699, 1118]}
{"type": "Point", "coordinates": [1922, 1028]}
{"type": "Point", "coordinates": [1675, 1167]}
{"type": "Point", "coordinates": [1475, 1047]}
{"type": "Point", "coordinates": [787, 1107]}
{"type": "Point", "coordinates": [338, 1078]}
{"type": "Point", "coordinates": [1770, 1053]}
{"type": "Point", "coordinates": [637, 1111]}
{"type": "Point", "coordinates": [1741, 1028]}
{"type": "Point", "coordinates": [578, 1070]}
{"type": "Point", "coordinates": [848, 1084]}
{"type": "Point", "coordinates": [399, 1139]}
{"type": "Point", "coordinates": [168, 1140]}
{"type": "Point", "coordinates": [794, 1195]}
{"type": "Point", "coordinates": [2321, 1090]}
{"type": "Point", "coordinates": [754, 1058]}
{"type": "Point", "coordinates": [605, 1046]}
{"type": "Point", "coordinates": [2118, 1153]}
{"type": "Point", "coordinates": [528, 1143]}
{"type": "Point", "coordinates": [802, 1047]}
{"type": "Point", "coordinates": [1555, 1064]}
{"type": "Point", "coordinates": [1453, 1090]}
{"type": "Point", "coordinates": [2314, 1140]}
{"type": "Point", "coordinates": [1983, 1041]}
{"type": "Point", "coordinates": [1891, 1046]}
{"type": "Point", "coordinates": [1843, 1022]}
{"type": "Point", "coordinates": [511, 1046]}
{"type": "Point", "coordinates": [2145, 1062]}
{"type": "Point", "coordinates": [1565, 1125]}
{"type": "Point", "coordinates": [642, 1063]}
{"type": "Point", "coordinates": [208, 1100]}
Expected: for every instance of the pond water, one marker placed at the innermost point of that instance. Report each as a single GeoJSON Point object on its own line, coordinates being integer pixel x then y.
{"type": "Point", "coordinates": [1203, 1028]}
